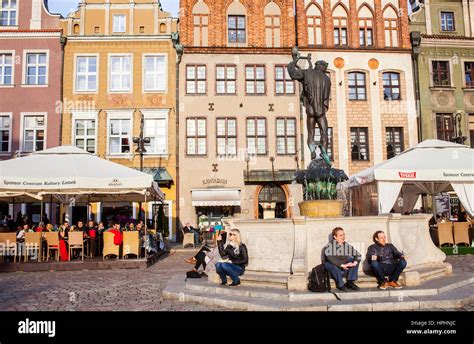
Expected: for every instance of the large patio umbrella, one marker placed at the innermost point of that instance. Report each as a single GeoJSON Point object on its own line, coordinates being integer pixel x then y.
{"type": "Point", "coordinates": [431, 167]}
{"type": "Point", "coordinates": [70, 174]}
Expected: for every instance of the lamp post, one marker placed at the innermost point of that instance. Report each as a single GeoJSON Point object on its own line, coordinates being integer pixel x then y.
{"type": "Point", "coordinates": [141, 141]}
{"type": "Point", "coordinates": [457, 123]}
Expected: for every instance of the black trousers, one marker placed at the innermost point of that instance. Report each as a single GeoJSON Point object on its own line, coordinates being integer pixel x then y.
{"type": "Point", "coordinates": [201, 258]}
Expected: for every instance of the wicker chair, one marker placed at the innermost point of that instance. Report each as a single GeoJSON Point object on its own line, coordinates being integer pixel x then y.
{"type": "Point", "coordinates": [188, 238]}
{"type": "Point", "coordinates": [131, 244]}
{"type": "Point", "coordinates": [461, 233]}
{"type": "Point", "coordinates": [8, 244]}
{"type": "Point", "coordinates": [445, 233]}
{"type": "Point", "coordinates": [109, 246]}
{"type": "Point", "coordinates": [76, 241]}
{"type": "Point", "coordinates": [33, 242]}
{"type": "Point", "coordinates": [52, 240]}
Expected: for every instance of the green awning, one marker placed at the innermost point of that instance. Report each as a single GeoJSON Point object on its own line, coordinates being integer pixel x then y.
{"type": "Point", "coordinates": [160, 175]}
{"type": "Point", "coordinates": [265, 176]}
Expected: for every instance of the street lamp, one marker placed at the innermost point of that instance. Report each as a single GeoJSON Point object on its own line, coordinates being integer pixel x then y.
{"type": "Point", "coordinates": [457, 122]}
{"type": "Point", "coordinates": [141, 141]}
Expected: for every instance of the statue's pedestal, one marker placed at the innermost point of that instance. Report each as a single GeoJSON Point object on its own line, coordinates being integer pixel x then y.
{"type": "Point", "coordinates": [321, 208]}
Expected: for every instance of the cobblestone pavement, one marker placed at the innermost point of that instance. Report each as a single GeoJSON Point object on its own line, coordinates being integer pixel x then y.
{"type": "Point", "coordinates": [96, 290]}
{"type": "Point", "coordinates": [116, 290]}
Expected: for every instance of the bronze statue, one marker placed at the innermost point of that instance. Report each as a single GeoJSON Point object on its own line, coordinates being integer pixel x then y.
{"type": "Point", "coordinates": [315, 98]}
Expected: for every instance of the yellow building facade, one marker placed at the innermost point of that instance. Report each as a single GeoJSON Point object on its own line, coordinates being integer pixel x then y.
{"type": "Point", "coordinates": [120, 70]}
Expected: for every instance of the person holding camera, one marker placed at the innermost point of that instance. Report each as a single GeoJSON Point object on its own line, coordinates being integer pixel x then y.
{"type": "Point", "coordinates": [385, 260]}
{"type": "Point", "coordinates": [234, 258]}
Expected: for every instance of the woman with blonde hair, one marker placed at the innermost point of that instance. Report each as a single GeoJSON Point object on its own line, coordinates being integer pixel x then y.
{"type": "Point", "coordinates": [234, 258]}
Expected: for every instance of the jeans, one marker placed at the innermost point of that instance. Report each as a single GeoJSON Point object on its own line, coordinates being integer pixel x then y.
{"type": "Point", "coordinates": [337, 273]}
{"type": "Point", "coordinates": [231, 270]}
{"type": "Point", "coordinates": [393, 271]}
{"type": "Point", "coordinates": [196, 236]}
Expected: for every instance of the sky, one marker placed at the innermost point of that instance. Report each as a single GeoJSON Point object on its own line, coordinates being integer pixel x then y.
{"type": "Point", "coordinates": [65, 6]}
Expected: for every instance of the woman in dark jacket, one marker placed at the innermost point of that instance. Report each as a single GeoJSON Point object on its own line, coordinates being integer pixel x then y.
{"type": "Point", "coordinates": [234, 258]}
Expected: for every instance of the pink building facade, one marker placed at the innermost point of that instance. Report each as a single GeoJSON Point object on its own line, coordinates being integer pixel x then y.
{"type": "Point", "coordinates": [31, 55]}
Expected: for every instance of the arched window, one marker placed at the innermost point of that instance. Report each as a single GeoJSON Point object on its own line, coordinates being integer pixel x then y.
{"type": "Point", "coordinates": [314, 25]}
{"type": "Point", "coordinates": [390, 19]}
{"type": "Point", "coordinates": [339, 16]}
{"type": "Point", "coordinates": [366, 33]}
{"type": "Point", "coordinates": [236, 23]}
{"type": "Point", "coordinates": [391, 86]}
{"type": "Point", "coordinates": [201, 24]}
{"type": "Point", "coordinates": [272, 25]}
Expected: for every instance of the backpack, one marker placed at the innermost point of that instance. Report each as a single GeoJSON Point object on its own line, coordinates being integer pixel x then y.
{"type": "Point", "coordinates": [318, 280]}
{"type": "Point", "coordinates": [193, 274]}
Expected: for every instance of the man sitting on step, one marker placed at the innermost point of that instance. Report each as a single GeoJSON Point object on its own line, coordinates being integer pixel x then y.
{"type": "Point", "coordinates": [340, 258]}
{"type": "Point", "coordinates": [385, 260]}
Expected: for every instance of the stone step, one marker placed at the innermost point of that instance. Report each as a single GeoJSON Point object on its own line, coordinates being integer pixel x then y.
{"type": "Point", "coordinates": [454, 293]}
{"type": "Point", "coordinates": [272, 280]}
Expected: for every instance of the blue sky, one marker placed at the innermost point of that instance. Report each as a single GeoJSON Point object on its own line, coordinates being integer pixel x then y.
{"type": "Point", "coordinates": [65, 6]}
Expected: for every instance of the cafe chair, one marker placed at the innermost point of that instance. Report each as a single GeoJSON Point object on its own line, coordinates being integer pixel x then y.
{"type": "Point", "coordinates": [109, 247]}
{"type": "Point", "coordinates": [33, 243]}
{"type": "Point", "coordinates": [188, 238]}
{"type": "Point", "coordinates": [8, 245]}
{"type": "Point", "coordinates": [131, 244]}
{"type": "Point", "coordinates": [461, 233]}
{"type": "Point", "coordinates": [76, 241]}
{"type": "Point", "coordinates": [445, 233]}
{"type": "Point", "coordinates": [52, 241]}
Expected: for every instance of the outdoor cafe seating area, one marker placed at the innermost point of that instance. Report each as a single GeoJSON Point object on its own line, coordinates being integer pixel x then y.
{"type": "Point", "coordinates": [46, 246]}
{"type": "Point", "coordinates": [451, 233]}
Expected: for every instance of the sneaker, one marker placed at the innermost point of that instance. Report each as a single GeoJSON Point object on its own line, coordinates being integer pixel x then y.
{"type": "Point", "coordinates": [383, 285]}
{"type": "Point", "coordinates": [233, 284]}
{"type": "Point", "coordinates": [394, 284]}
{"type": "Point", "coordinates": [343, 288]}
{"type": "Point", "coordinates": [351, 285]}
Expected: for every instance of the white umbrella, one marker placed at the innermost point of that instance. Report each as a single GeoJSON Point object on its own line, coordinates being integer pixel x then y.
{"type": "Point", "coordinates": [433, 166]}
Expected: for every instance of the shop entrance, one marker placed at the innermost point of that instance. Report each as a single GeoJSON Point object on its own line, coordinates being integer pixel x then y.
{"type": "Point", "coordinates": [272, 202]}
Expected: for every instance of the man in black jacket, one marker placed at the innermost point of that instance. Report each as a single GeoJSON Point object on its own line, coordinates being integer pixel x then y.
{"type": "Point", "coordinates": [385, 260]}
{"type": "Point", "coordinates": [340, 258]}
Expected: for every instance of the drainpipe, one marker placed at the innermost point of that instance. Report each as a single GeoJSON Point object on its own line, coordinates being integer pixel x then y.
{"type": "Point", "coordinates": [295, 12]}
{"type": "Point", "coordinates": [415, 38]}
{"type": "Point", "coordinates": [179, 52]}
{"type": "Point", "coordinates": [61, 92]}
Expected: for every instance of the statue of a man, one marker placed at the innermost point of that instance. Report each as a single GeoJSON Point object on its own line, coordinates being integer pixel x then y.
{"type": "Point", "coordinates": [315, 97]}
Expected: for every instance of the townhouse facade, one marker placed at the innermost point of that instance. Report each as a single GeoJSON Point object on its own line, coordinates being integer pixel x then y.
{"type": "Point", "coordinates": [120, 71]}
{"type": "Point", "coordinates": [31, 55]}
{"type": "Point", "coordinates": [239, 142]}
{"type": "Point", "coordinates": [444, 41]}
{"type": "Point", "coordinates": [372, 114]}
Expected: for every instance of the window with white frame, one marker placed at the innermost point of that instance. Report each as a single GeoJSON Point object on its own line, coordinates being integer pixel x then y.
{"type": "Point", "coordinates": [120, 73]}
{"type": "Point", "coordinates": [36, 68]}
{"type": "Point", "coordinates": [84, 134]}
{"type": "Point", "coordinates": [6, 69]}
{"type": "Point", "coordinates": [255, 79]}
{"type": "Point", "coordinates": [155, 73]}
{"type": "Point", "coordinates": [5, 133]}
{"type": "Point", "coordinates": [286, 136]}
{"type": "Point", "coordinates": [196, 136]}
{"type": "Point", "coordinates": [157, 130]}
{"type": "Point", "coordinates": [283, 82]}
{"type": "Point", "coordinates": [447, 21]}
{"type": "Point", "coordinates": [226, 136]}
{"type": "Point", "coordinates": [257, 136]}
{"type": "Point", "coordinates": [119, 23]}
{"type": "Point", "coordinates": [8, 13]}
{"type": "Point", "coordinates": [33, 133]}
{"type": "Point", "coordinates": [86, 74]}
{"type": "Point", "coordinates": [119, 136]}
{"type": "Point", "coordinates": [225, 79]}
{"type": "Point", "coordinates": [196, 80]}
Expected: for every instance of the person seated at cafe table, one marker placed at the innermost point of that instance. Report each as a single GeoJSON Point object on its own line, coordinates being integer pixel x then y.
{"type": "Point", "coordinates": [385, 260]}
{"type": "Point", "coordinates": [41, 227]}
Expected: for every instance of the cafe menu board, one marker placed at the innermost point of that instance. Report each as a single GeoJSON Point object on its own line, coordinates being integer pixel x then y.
{"type": "Point", "coordinates": [442, 204]}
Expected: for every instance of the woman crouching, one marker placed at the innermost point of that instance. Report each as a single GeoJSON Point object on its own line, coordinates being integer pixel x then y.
{"type": "Point", "coordinates": [234, 258]}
